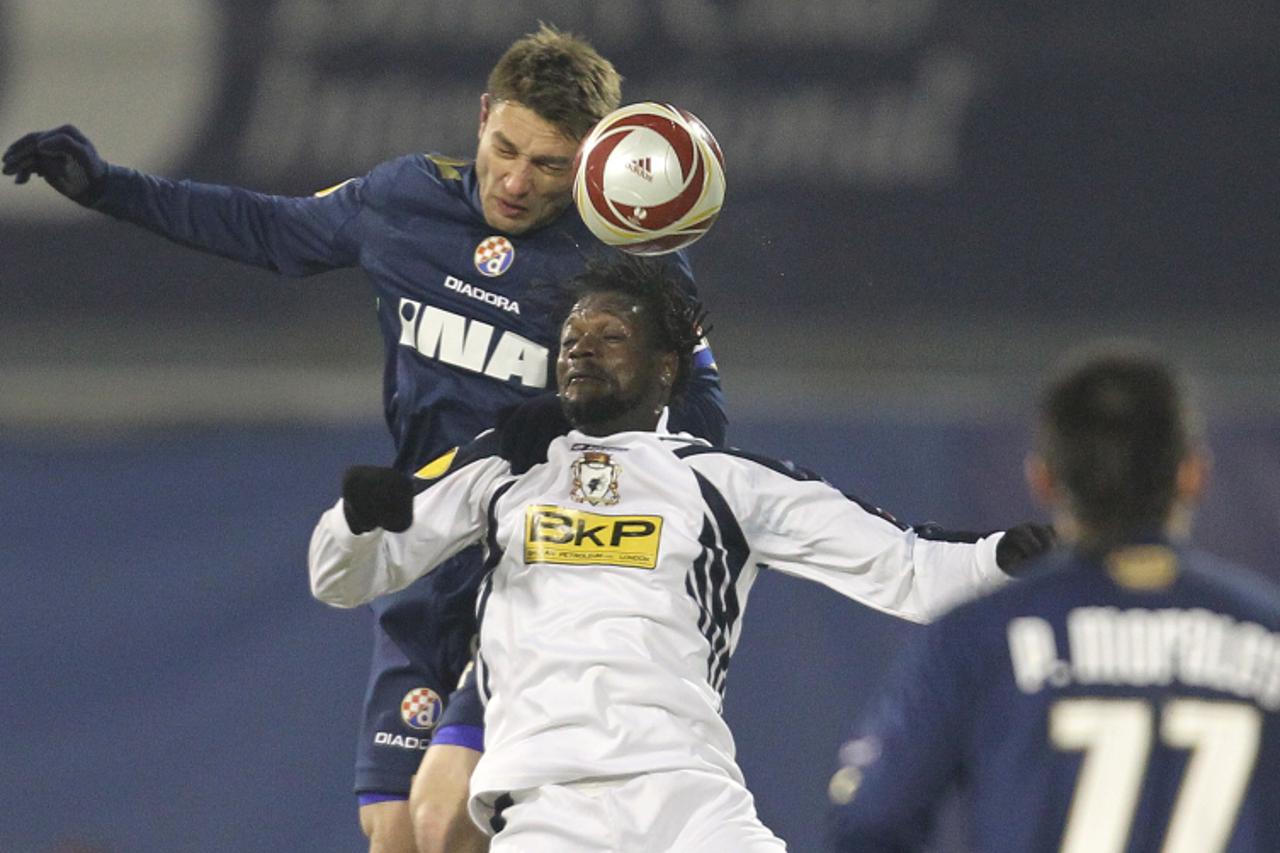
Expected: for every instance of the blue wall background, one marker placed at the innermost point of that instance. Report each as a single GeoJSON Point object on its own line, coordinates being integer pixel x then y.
{"type": "Point", "coordinates": [169, 685]}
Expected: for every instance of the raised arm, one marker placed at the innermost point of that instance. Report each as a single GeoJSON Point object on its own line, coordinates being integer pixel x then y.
{"type": "Point", "coordinates": [294, 236]}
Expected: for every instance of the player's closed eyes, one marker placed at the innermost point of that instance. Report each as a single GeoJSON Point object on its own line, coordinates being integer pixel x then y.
{"type": "Point", "coordinates": [607, 337]}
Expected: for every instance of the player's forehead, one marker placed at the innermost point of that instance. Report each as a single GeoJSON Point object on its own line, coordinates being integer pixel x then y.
{"type": "Point", "coordinates": [515, 125]}
{"type": "Point", "coordinates": [604, 307]}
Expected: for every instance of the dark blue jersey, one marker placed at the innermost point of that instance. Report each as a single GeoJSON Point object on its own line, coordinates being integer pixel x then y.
{"type": "Point", "coordinates": [1128, 703]}
{"type": "Point", "coordinates": [468, 315]}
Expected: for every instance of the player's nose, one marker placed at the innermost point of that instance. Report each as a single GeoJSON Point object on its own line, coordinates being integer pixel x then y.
{"type": "Point", "coordinates": [519, 180]}
{"type": "Point", "coordinates": [583, 347]}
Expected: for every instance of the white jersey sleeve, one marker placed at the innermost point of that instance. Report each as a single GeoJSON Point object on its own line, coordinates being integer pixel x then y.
{"type": "Point", "coordinates": [805, 527]}
{"type": "Point", "coordinates": [348, 569]}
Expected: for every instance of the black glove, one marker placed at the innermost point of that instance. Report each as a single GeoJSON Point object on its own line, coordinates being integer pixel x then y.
{"type": "Point", "coordinates": [377, 497]}
{"type": "Point", "coordinates": [527, 428]}
{"type": "Point", "coordinates": [1022, 542]}
{"type": "Point", "coordinates": [64, 157]}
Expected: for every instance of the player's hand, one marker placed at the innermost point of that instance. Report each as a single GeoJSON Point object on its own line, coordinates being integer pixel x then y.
{"type": "Point", "coordinates": [64, 157]}
{"type": "Point", "coordinates": [1021, 543]}
{"type": "Point", "coordinates": [377, 497]}
{"type": "Point", "coordinates": [526, 429]}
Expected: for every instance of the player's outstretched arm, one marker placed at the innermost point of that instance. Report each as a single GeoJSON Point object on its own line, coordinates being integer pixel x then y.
{"type": "Point", "coordinates": [293, 236]}
{"type": "Point", "coordinates": [803, 526]}
{"type": "Point", "coordinates": [380, 537]}
{"type": "Point", "coordinates": [64, 157]}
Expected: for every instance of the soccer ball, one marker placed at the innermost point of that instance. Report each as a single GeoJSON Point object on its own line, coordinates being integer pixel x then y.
{"type": "Point", "coordinates": [649, 179]}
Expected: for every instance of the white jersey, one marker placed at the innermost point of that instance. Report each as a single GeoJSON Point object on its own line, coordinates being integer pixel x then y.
{"type": "Point", "coordinates": [620, 571]}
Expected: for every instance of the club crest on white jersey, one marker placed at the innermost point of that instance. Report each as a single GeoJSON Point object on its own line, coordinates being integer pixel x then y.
{"type": "Point", "coordinates": [595, 479]}
{"type": "Point", "coordinates": [494, 255]}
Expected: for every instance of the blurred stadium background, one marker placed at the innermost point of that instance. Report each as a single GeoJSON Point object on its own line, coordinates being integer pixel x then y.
{"type": "Point", "coordinates": [928, 202]}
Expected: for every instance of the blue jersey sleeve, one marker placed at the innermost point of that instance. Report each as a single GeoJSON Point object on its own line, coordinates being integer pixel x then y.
{"type": "Point", "coordinates": [700, 410]}
{"type": "Point", "coordinates": [293, 236]}
{"type": "Point", "coordinates": [905, 757]}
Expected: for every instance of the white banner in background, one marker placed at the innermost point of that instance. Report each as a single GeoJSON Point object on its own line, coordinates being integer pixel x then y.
{"type": "Point", "coordinates": [863, 94]}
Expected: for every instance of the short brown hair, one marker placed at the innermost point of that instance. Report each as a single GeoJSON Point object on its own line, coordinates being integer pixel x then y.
{"type": "Point", "coordinates": [560, 77]}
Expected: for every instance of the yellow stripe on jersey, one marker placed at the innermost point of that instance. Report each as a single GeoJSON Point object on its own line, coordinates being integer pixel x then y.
{"type": "Point", "coordinates": [333, 189]}
{"type": "Point", "coordinates": [574, 537]}
{"type": "Point", "coordinates": [1143, 567]}
{"type": "Point", "coordinates": [448, 166]}
{"type": "Point", "coordinates": [437, 467]}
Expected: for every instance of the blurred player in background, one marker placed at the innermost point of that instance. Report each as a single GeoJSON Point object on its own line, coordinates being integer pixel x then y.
{"type": "Point", "coordinates": [620, 570]}
{"type": "Point", "coordinates": [458, 253]}
{"type": "Point", "coordinates": [1125, 695]}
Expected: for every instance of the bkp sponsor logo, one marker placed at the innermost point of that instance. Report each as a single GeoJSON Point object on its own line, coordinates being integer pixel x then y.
{"type": "Point", "coordinates": [573, 537]}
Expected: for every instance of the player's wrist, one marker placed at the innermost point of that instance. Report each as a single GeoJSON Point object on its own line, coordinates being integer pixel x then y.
{"type": "Point", "coordinates": [106, 194]}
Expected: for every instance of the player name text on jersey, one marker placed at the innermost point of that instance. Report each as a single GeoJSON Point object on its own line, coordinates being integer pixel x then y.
{"type": "Point", "coordinates": [1142, 647]}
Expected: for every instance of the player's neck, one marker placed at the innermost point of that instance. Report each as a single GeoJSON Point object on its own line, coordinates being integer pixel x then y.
{"type": "Point", "coordinates": [634, 420]}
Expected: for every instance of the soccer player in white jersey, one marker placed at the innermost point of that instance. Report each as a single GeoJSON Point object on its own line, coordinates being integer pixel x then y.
{"type": "Point", "coordinates": [618, 571]}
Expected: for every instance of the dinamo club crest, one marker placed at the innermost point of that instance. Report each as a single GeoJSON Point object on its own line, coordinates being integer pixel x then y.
{"type": "Point", "coordinates": [421, 708]}
{"type": "Point", "coordinates": [595, 479]}
{"type": "Point", "coordinates": [494, 255]}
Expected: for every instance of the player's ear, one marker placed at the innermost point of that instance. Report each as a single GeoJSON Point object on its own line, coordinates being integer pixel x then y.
{"type": "Point", "coordinates": [1040, 480]}
{"type": "Point", "coordinates": [484, 112]}
{"type": "Point", "coordinates": [668, 372]}
{"type": "Point", "coordinates": [1193, 475]}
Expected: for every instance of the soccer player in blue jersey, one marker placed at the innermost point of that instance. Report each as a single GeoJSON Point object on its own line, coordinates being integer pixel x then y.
{"type": "Point", "coordinates": [1124, 696]}
{"type": "Point", "coordinates": [461, 256]}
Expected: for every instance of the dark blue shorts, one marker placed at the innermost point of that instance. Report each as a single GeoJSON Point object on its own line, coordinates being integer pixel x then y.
{"type": "Point", "coordinates": [463, 721]}
{"type": "Point", "coordinates": [422, 643]}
